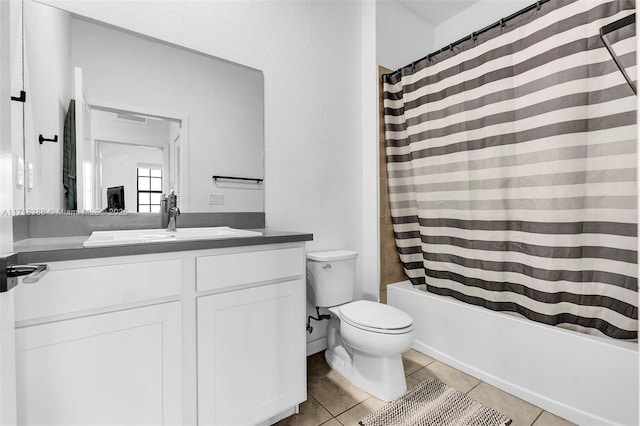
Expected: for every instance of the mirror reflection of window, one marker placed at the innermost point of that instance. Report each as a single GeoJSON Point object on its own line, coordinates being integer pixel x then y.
{"type": "Point", "coordinates": [149, 189]}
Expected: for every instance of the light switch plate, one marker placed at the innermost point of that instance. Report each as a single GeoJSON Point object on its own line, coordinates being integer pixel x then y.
{"type": "Point", "coordinates": [29, 175]}
{"type": "Point", "coordinates": [20, 171]}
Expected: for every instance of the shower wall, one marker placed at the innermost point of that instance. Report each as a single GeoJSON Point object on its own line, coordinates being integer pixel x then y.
{"type": "Point", "coordinates": [391, 269]}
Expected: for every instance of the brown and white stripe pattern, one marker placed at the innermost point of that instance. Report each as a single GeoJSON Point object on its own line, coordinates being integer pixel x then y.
{"type": "Point", "coordinates": [512, 169]}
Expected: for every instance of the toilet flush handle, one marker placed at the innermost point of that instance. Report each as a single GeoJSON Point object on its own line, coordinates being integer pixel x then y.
{"type": "Point", "coordinates": [327, 266]}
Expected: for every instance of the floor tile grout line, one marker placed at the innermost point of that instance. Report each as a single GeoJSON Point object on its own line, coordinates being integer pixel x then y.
{"type": "Point", "coordinates": [477, 384]}
{"type": "Point", "coordinates": [536, 419]}
{"type": "Point", "coordinates": [342, 412]}
{"type": "Point", "coordinates": [335, 416]}
{"type": "Point", "coordinates": [320, 404]}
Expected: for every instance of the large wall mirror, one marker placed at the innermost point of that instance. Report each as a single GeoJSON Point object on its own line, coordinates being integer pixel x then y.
{"type": "Point", "coordinates": [150, 118]}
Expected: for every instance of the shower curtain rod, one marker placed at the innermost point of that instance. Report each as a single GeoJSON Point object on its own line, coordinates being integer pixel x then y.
{"type": "Point", "coordinates": [615, 26]}
{"type": "Point", "coordinates": [474, 35]}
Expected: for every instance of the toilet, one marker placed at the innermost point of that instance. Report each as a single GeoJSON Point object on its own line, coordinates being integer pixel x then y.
{"type": "Point", "coordinates": [365, 339]}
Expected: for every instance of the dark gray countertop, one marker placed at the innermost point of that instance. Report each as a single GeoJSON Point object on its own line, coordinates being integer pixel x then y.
{"type": "Point", "coordinates": [52, 249]}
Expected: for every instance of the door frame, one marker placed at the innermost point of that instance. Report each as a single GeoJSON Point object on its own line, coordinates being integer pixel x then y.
{"type": "Point", "coordinates": [8, 406]}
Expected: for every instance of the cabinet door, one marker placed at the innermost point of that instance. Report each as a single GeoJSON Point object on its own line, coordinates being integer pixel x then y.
{"type": "Point", "coordinates": [251, 353]}
{"type": "Point", "coordinates": [120, 368]}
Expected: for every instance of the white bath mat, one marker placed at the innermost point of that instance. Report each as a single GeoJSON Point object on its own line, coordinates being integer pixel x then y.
{"type": "Point", "coordinates": [433, 403]}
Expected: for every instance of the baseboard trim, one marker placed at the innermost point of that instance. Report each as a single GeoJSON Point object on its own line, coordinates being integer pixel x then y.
{"type": "Point", "coordinates": [525, 394]}
{"type": "Point", "coordinates": [316, 346]}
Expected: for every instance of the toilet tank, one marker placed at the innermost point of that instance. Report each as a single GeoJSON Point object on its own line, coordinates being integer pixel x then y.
{"type": "Point", "coordinates": [331, 277]}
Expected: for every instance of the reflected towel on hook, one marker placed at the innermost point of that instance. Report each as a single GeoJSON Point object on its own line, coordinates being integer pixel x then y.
{"type": "Point", "coordinates": [69, 158]}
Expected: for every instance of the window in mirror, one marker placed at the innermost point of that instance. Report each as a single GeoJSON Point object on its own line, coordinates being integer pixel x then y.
{"type": "Point", "coordinates": [149, 189]}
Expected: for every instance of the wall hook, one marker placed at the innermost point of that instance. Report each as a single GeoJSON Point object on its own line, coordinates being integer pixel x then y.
{"type": "Point", "coordinates": [42, 139]}
{"type": "Point", "coordinates": [21, 98]}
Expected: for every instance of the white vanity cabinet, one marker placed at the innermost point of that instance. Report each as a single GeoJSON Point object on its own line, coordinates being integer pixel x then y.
{"type": "Point", "coordinates": [251, 336]}
{"type": "Point", "coordinates": [207, 337]}
{"type": "Point", "coordinates": [99, 342]}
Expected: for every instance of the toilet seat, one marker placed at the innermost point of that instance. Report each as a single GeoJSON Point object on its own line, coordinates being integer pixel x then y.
{"type": "Point", "coordinates": [375, 317]}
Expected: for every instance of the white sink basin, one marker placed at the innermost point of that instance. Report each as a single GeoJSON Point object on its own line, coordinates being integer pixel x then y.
{"type": "Point", "coordinates": [139, 236]}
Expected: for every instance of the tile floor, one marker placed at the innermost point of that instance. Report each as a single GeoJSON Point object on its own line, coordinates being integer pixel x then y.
{"type": "Point", "coordinates": [333, 401]}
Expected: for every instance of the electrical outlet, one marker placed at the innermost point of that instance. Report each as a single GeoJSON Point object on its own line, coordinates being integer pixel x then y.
{"type": "Point", "coordinates": [216, 199]}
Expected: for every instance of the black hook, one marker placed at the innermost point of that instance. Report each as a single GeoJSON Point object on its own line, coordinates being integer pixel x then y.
{"type": "Point", "coordinates": [538, 5]}
{"type": "Point", "coordinates": [42, 139]}
{"type": "Point", "coordinates": [502, 23]}
{"type": "Point", "coordinates": [21, 98]}
{"type": "Point", "coordinates": [474, 36]}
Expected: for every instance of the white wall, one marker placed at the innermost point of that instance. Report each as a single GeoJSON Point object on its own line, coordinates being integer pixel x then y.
{"type": "Point", "coordinates": [106, 125]}
{"type": "Point", "coordinates": [402, 37]}
{"type": "Point", "coordinates": [47, 83]}
{"type": "Point", "coordinates": [310, 53]}
{"type": "Point", "coordinates": [474, 18]}
{"type": "Point", "coordinates": [370, 254]}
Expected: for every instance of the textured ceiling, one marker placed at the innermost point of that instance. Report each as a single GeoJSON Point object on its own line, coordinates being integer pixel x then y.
{"type": "Point", "coordinates": [436, 11]}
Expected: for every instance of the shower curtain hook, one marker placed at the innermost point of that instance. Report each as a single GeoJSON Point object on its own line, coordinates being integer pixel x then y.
{"type": "Point", "coordinates": [474, 36]}
{"type": "Point", "coordinates": [538, 5]}
{"type": "Point", "coordinates": [502, 23]}
{"type": "Point", "coordinates": [451, 47]}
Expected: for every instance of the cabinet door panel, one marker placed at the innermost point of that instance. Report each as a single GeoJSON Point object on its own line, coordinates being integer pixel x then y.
{"type": "Point", "coordinates": [121, 368]}
{"type": "Point", "coordinates": [261, 333]}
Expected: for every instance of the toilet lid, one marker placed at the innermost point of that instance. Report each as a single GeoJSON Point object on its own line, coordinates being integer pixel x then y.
{"type": "Point", "coordinates": [373, 315]}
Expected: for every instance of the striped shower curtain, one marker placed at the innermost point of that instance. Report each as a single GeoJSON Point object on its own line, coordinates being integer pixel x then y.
{"type": "Point", "coordinates": [511, 164]}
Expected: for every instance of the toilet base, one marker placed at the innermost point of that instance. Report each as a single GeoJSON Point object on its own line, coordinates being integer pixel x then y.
{"type": "Point", "coordinates": [382, 377]}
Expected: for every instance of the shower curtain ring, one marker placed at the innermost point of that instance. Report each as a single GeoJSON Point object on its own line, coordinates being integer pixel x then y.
{"type": "Point", "coordinates": [451, 47]}
{"type": "Point", "coordinates": [502, 23]}
{"type": "Point", "coordinates": [474, 36]}
{"type": "Point", "coordinates": [538, 5]}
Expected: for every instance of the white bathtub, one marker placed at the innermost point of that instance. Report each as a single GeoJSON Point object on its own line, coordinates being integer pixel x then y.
{"type": "Point", "coordinates": [585, 379]}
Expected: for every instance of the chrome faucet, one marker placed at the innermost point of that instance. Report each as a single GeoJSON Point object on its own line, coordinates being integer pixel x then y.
{"type": "Point", "coordinates": [169, 211]}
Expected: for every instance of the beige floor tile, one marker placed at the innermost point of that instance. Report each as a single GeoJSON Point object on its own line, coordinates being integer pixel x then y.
{"type": "Point", "coordinates": [548, 419]}
{"type": "Point", "coordinates": [317, 367]}
{"type": "Point", "coordinates": [414, 361]}
{"type": "Point", "coordinates": [336, 394]}
{"type": "Point", "coordinates": [332, 422]}
{"type": "Point", "coordinates": [311, 414]}
{"type": "Point", "coordinates": [454, 378]}
{"type": "Point", "coordinates": [352, 416]}
{"type": "Point", "coordinates": [521, 412]}
{"type": "Point", "coordinates": [412, 382]}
